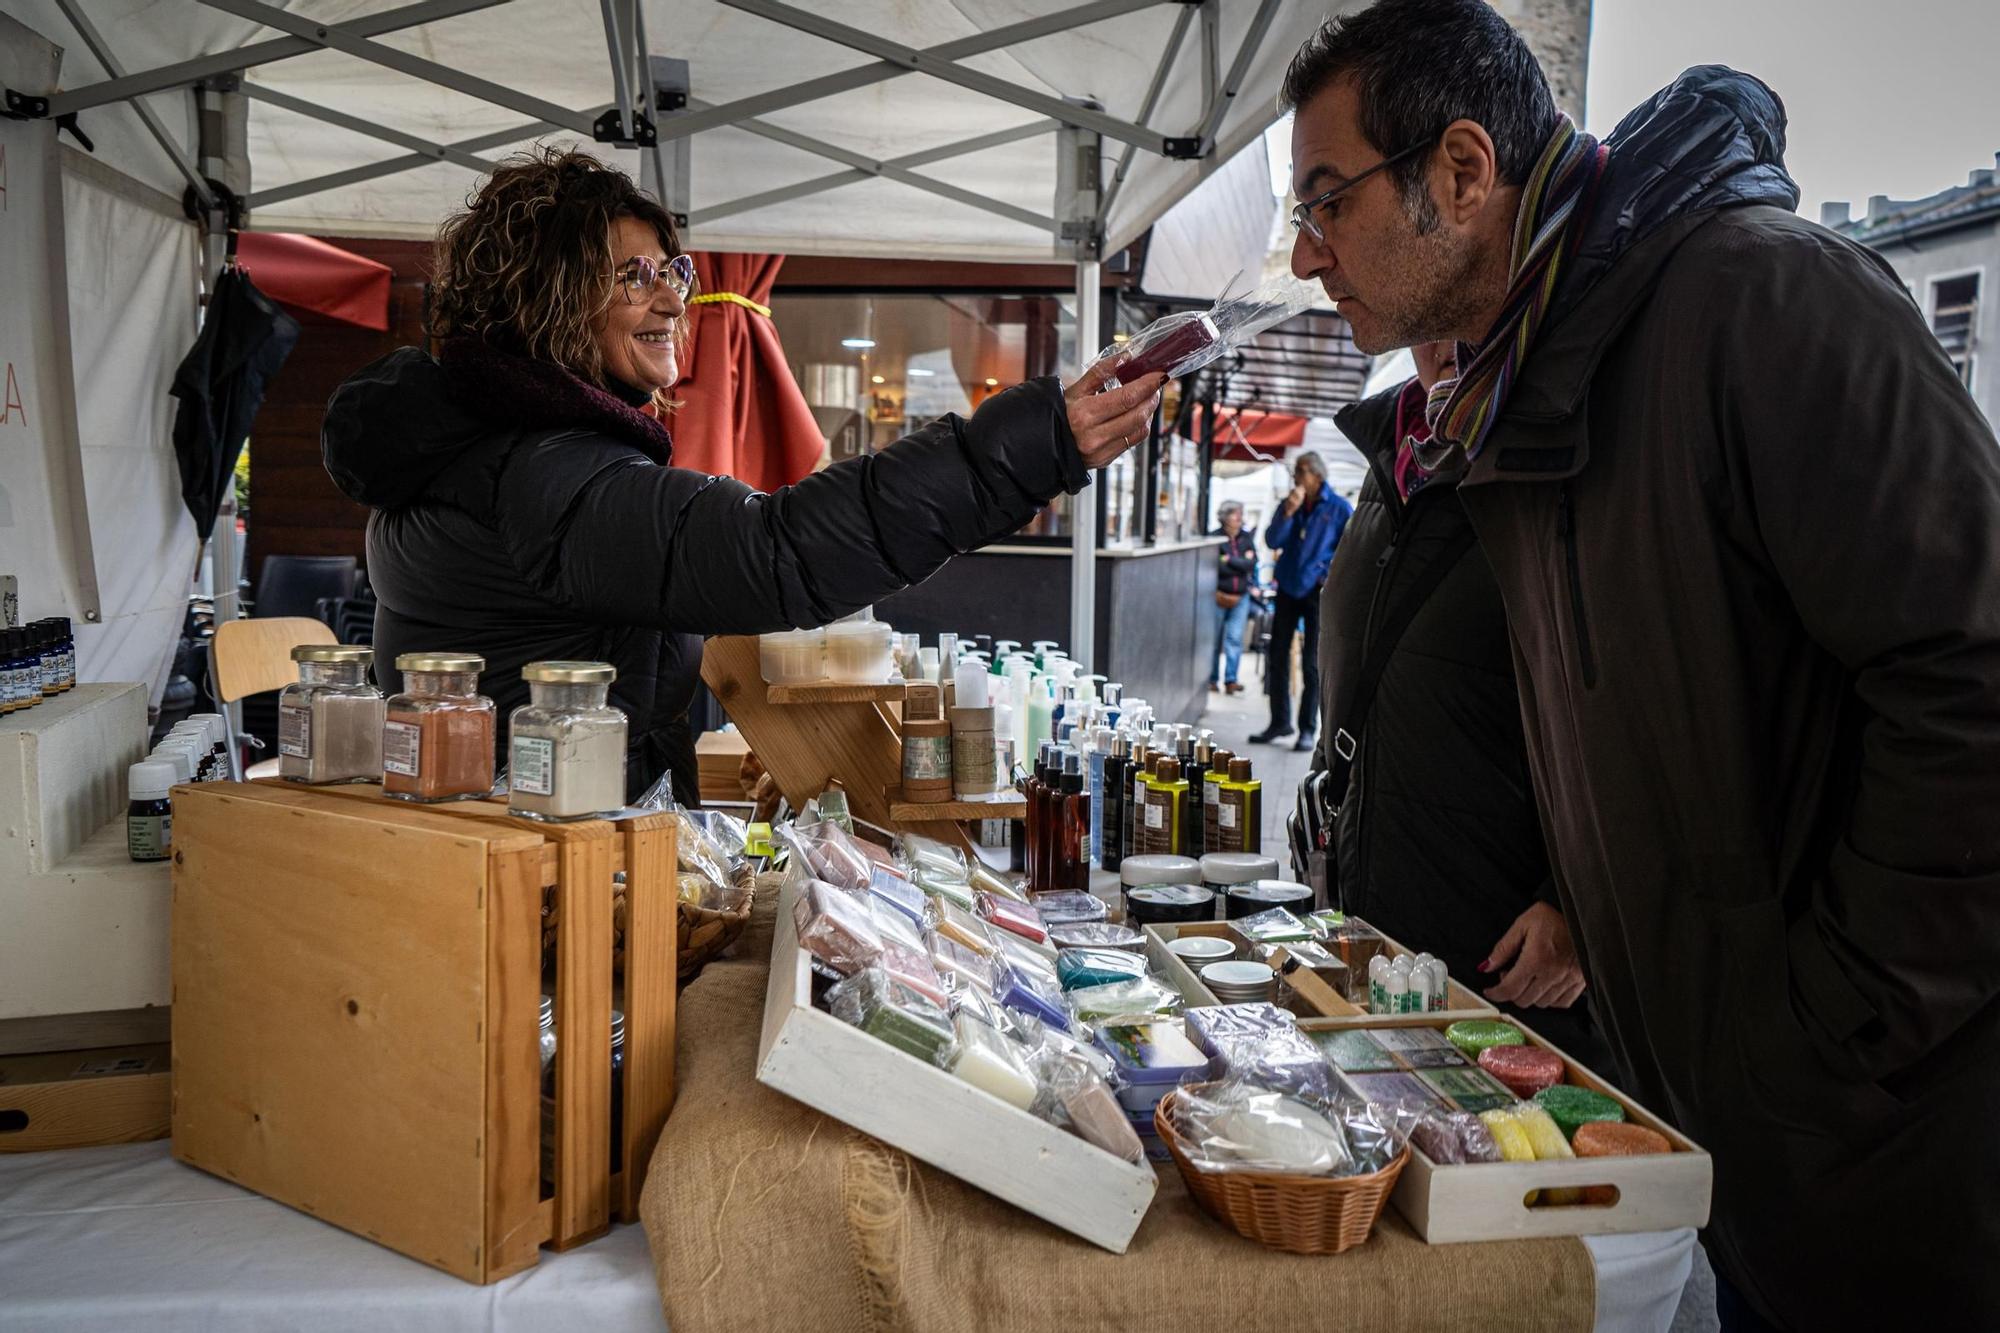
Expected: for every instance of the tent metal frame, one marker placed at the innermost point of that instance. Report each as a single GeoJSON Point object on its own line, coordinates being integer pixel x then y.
{"type": "Point", "coordinates": [635, 121]}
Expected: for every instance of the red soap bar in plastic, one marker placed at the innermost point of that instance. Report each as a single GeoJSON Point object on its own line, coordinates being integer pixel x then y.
{"type": "Point", "coordinates": [1526, 1070]}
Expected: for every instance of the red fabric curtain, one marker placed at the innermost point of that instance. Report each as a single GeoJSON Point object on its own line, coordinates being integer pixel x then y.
{"type": "Point", "coordinates": [742, 414]}
{"type": "Point", "coordinates": [312, 275]}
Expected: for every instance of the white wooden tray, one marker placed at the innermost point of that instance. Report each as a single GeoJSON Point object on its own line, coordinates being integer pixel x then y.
{"type": "Point", "coordinates": [930, 1114]}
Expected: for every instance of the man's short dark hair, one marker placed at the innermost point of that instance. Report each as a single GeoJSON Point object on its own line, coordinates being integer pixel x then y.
{"type": "Point", "coordinates": [1419, 65]}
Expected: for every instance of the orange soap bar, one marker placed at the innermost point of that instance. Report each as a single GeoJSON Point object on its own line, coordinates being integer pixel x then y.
{"type": "Point", "coordinates": [1610, 1138]}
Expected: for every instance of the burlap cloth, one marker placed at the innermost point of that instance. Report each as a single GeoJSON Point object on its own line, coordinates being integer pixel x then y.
{"type": "Point", "coordinates": [764, 1214]}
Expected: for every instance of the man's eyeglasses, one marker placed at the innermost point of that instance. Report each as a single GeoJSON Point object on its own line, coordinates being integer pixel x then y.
{"type": "Point", "coordinates": [1302, 214]}
{"type": "Point", "coordinates": [637, 278]}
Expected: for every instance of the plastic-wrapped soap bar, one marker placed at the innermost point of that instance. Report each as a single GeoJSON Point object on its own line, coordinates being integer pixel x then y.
{"type": "Point", "coordinates": [930, 854]}
{"type": "Point", "coordinates": [960, 966]}
{"type": "Point", "coordinates": [1474, 1035]}
{"type": "Point", "coordinates": [1093, 1112]}
{"type": "Point", "coordinates": [1069, 907]}
{"type": "Point", "coordinates": [877, 1005]}
{"type": "Point", "coordinates": [1276, 926]}
{"type": "Point", "coordinates": [1077, 968]}
{"type": "Point", "coordinates": [964, 928]}
{"type": "Point", "coordinates": [1142, 996]}
{"type": "Point", "coordinates": [1211, 1026]}
{"type": "Point", "coordinates": [1452, 1137]}
{"type": "Point", "coordinates": [836, 926]}
{"type": "Point", "coordinates": [992, 1063]}
{"type": "Point", "coordinates": [957, 892]}
{"type": "Point", "coordinates": [913, 968]}
{"type": "Point", "coordinates": [987, 880]}
{"type": "Point", "coordinates": [892, 890]}
{"type": "Point", "coordinates": [1037, 995]}
{"type": "Point", "coordinates": [1020, 918]}
{"type": "Point", "coordinates": [1097, 935]}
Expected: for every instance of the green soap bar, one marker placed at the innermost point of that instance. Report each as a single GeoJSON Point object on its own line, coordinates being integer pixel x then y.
{"type": "Point", "coordinates": [1355, 1051]}
{"type": "Point", "coordinates": [916, 1034]}
{"type": "Point", "coordinates": [1474, 1035]}
{"type": "Point", "coordinates": [1572, 1107]}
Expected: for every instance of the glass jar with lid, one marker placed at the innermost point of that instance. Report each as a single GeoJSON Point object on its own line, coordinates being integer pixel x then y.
{"type": "Point", "coordinates": [330, 719]}
{"type": "Point", "coordinates": [437, 744]}
{"type": "Point", "coordinates": [566, 745]}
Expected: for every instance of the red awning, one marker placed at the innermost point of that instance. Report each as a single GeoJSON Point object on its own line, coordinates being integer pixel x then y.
{"type": "Point", "coordinates": [312, 275]}
{"type": "Point", "coordinates": [742, 414]}
{"type": "Point", "coordinates": [1246, 433]}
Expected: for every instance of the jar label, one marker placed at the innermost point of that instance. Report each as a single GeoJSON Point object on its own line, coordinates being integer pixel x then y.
{"type": "Point", "coordinates": [533, 769]}
{"type": "Point", "coordinates": [295, 730]}
{"type": "Point", "coordinates": [1225, 814]}
{"type": "Point", "coordinates": [928, 758]}
{"type": "Point", "coordinates": [149, 837]}
{"type": "Point", "coordinates": [402, 743]}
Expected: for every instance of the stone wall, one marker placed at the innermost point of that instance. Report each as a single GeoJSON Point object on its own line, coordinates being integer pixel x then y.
{"type": "Point", "coordinates": [1558, 32]}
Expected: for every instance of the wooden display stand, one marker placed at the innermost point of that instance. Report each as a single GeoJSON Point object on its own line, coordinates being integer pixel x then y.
{"type": "Point", "coordinates": [357, 984]}
{"type": "Point", "coordinates": [80, 1099]}
{"type": "Point", "coordinates": [810, 737]}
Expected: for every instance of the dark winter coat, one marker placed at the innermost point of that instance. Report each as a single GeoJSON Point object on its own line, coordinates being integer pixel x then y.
{"type": "Point", "coordinates": [524, 515]}
{"type": "Point", "coordinates": [1236, 562]}
{"type": "Point", "coordinates": [1438, 841]}
{"type": "Point", "coordinates": [1746, 521]}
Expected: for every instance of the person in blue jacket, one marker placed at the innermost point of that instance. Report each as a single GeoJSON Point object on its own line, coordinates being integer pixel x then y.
{"type": "Point", "coordinates": [1304, 532]}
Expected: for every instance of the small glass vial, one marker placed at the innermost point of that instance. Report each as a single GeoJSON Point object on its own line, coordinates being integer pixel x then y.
{"type": "Point", "coordinates": [15, 692]}
{"type": "Point", "coordinates": [330, 719]}
{"type": "Point", "coordinates": [566, 745]}
{"type": "Point", "coordinates": [437, 741]}
{"type": "Point", "coordinates": [149, 819]}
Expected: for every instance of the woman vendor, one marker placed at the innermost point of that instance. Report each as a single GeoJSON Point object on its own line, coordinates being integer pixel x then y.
{"type": "Point", "coordinates": [526, 508]}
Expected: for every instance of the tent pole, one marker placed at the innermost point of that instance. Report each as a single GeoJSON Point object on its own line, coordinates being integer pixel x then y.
{"type": "Point", "coordinates": [1083, 507]}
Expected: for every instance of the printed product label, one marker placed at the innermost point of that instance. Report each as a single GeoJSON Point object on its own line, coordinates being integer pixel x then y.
{"type": "Point", "coordinates": [533, 769]}
{"type": "Point", "coordinates": [927, 759]}
{"type": "Point", "coordinates": [1225, 814]}
{"type": "Point", "coordinates": [124, 1064]}
{"type": "Point", "coordinates": [1156, 816]}
{"type": "Point", "coordinates": [149, 837]}
{"type": "Point", "coordinates": [295, 730]}
{"type": "Point", "coordinates": [402, 744]}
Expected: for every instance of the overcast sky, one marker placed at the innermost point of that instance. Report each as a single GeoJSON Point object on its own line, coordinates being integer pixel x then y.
{"type": "Point", "coordinates": [1899, 98]}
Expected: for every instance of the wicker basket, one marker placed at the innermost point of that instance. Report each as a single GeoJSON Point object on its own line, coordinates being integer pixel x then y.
{"type": "Point", "coordinates": [1299, 1214]}
{"type": "Point", "coordinates": [705, 934]}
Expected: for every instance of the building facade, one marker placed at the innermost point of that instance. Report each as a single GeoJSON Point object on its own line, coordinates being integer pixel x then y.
{"type": "Point", "coordinates": [1946, 249]}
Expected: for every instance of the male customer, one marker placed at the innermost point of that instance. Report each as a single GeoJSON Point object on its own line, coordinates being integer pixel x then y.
{"type": "Point", "coordinates": [1236, 569]}
{"type": "Point", "coordinates": [1437, 839]}
{"type": "Point", "coordinates": [1746, 523]}
{"type": "Point", "coordinates": [1307, 527]}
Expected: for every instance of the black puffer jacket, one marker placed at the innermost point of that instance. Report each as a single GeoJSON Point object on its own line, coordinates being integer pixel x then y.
{"type": "Point", "coordinates": [524, 515]}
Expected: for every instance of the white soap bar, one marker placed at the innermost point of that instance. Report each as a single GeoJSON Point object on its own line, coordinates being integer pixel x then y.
{"type": "Point", "coordinates": [988, 1061]}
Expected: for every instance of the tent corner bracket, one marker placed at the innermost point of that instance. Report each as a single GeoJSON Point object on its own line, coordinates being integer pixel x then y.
{"type": "Point", "coordinates": [610, 128]}
{"type": "Point", "coordinates": [25, 106]}
{"type": "Point", "coordinates": [1182, 149]}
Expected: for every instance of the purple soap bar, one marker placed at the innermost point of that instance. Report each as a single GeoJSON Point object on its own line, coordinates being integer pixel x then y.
{"type": "Point", "coordinates": [1209, 1026]}
{"type": "Point", "coordinates": [1025, 992]}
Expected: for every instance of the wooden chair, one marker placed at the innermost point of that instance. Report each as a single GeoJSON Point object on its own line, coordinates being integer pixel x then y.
{"type": "Point", "coordinates": [248, 657]}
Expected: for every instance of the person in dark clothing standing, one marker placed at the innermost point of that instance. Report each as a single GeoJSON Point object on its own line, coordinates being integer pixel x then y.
{"type": "Point", "coordinates": [1745, 519]}
{"type": "Point", "coordinates": [1437, 839]}
{"type": "Point", "coordinates": [525, 508]}
{"type": "Point", "coordinates": [1236, 569]}
{"type": "Point", "coordinates": [1304, 532]}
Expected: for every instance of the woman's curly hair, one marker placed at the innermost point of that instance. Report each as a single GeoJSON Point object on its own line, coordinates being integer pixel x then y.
{"type": "Point", "coordinates": [527, 266]}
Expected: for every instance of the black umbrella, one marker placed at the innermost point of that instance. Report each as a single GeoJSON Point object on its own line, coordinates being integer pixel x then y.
{"type": "Point", "coordinates": [244, 339]}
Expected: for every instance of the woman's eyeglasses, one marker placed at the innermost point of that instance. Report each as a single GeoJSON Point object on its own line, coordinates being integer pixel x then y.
{"type": "Point", "coordinates": [1302, 214]}
{"type": "Point", "coordinates": [637, 278]}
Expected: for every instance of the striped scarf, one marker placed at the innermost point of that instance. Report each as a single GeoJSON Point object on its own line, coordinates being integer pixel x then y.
{"type": "Point", "coordinates": [1555, 200]}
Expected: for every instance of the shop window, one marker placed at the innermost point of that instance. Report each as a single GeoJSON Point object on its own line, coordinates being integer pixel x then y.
{"type": "Point", "coordinates": [1954, 316]}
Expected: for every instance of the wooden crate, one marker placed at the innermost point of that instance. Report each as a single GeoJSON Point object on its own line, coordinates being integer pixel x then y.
{"type": "Point", "coordinates": [79, 1099]}
{"type": "Point", "coordinates": [1489, 1200]}
{"type": "Point", "coordinates": [932, 1115]}
{"type": "Point", "coordinates": [357, 985]}
{"type": "Point", "coordinates": [1461, 1002]}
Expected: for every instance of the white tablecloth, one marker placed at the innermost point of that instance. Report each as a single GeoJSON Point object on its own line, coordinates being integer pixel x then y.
{"type": "Point", "coordinates": [127, 1238]}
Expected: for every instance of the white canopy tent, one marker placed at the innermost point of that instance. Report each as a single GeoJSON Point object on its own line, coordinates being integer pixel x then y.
{"type": "Point", "coordinates": [973, 129]}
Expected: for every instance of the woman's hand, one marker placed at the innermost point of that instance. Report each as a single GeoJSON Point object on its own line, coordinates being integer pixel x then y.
{"type": "Point", "coordinates": [1106, 424]}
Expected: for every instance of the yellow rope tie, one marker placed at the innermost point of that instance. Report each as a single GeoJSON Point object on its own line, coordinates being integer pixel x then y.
{"type": "Point", "coordinates": [711, 298]}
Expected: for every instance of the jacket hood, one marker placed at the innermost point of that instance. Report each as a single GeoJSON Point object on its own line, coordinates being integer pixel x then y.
{"type": "Point", "coordinates": [392, 427]}
{"type": "Point", "coordinates": [1713, 138]}
{"type": "Point", "coordinates": [400, 421]}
